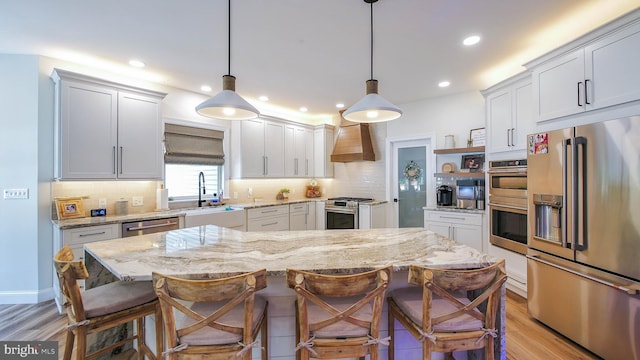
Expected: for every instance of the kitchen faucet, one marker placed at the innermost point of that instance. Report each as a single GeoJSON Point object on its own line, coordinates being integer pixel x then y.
{"type": "Point", "coordinates": [201, 186]}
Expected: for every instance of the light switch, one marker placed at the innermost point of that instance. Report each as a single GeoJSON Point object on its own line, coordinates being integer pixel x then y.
{"type": "Point", "coordinates": [16, 193]}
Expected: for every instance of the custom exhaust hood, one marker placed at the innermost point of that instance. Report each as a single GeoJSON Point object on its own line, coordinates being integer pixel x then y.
{"type": "Point", "coordinates": [353, 143]}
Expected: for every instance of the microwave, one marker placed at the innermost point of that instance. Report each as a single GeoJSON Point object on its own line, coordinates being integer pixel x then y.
{"type": "Point", "coordinates": [470, 194]}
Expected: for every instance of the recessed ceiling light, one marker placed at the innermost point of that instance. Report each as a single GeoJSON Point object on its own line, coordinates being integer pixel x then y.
{"type": "Point", "coordinates": [471, 40]}
{"type": "Point", "coordinates": [303, 109]}
{"type": "Point", "coordinates": [206, 88]}
{"type": "Point", "coordinates": [339, 105]}
{"type": "Point", "coordinates": [443, 84]}
{"type": "Point", "coordinates": [136, 63]}
{"type": "Point", "coordinates": [264, 98]}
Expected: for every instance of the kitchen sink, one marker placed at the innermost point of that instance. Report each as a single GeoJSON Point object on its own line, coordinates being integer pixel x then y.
{"type": "Point", "coordinates": [224, 216]}
{"type": "Point", "coordinates": [209, 209]}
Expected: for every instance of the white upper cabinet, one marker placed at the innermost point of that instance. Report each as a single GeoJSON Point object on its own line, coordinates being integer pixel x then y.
{"type": "Point", "coordinates": [509, 114]}
{"type": "Point", "coordinates": [279, 148]}
{"type": "Point", "coordinates": [106, 130]}
{"type": "Point", "coordinates": [298, 152]}
{"type": "Point", "coordinates": [598, 71]}
{"type": "Point", "coordinates": [257, 148]}
{"type": "Point", "coordinates": [322, 147]}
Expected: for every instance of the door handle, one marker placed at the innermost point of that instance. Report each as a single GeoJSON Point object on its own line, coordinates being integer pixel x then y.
{"type": "Point", "coordinates": [121, 151]}
{"type": "Point", "coordinates": [579, 85]}
{"type": "Point", "coordinates": [586, 92]}
{"type": "Point", "coordinates": [513, 131]}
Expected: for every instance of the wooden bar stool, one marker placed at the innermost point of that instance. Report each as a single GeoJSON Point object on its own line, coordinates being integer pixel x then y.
{"type": "Point", "coordinates": [438, 313]}
{"type": "Point", "coordinates": [338, 316]}
{"type": "Point", "coordinates": [103, 308]}
{"type": "Point", "coordinates": [213, 318]}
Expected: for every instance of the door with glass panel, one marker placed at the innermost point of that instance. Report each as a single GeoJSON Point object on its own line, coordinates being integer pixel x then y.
{"type": "Point", "coordinates": [411, 182]}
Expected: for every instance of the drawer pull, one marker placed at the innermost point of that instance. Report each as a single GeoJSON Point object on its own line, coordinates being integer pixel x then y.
{"type": "Point", "coordinates": [93, 234]}
{"type": "Point", "coordinates": [269, 224]}
{"type": "Point", "coordinates": [452, 217]}
{"type": "Point", "coordinates": [268, 211]}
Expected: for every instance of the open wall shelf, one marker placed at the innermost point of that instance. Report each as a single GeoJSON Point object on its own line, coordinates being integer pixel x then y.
{"type": "Point", "coordinates": [476, 149]}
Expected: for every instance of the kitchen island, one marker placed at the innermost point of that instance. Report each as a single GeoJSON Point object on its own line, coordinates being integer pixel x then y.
{"type": "Point", "coordinates": [218, 252]}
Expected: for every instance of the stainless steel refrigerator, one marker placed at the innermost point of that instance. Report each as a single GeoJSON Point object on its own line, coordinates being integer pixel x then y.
{"type": "Point", "coordinates": [583, 260]}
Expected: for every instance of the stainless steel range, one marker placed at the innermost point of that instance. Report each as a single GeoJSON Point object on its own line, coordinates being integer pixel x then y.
{"type": "Point", "coordinates": [342, 212]}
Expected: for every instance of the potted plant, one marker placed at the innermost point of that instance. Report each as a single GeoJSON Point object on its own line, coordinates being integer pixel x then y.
{"type": "Point", "coordinates": [285, 193]}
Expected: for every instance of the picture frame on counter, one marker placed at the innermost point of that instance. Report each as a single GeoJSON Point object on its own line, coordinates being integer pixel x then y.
{"type": "Point", "coordinates": [474, 163]}
{"type": "Point", "coordinates": [69, 208]}
{"type": "Point", "coordinates": [477, 137]}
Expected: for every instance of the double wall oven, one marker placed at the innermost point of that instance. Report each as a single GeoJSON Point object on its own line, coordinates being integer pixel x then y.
{"type": "Point", "coordinates": [342, 212]}
{"type": "Point", "coordinates": [508, 204]}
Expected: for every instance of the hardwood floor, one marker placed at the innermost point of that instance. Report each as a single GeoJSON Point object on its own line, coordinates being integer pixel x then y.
{"type": "Point", "coordinates": [527, 339]}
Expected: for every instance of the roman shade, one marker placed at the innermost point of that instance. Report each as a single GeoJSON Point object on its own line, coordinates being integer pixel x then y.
{"type": "Point", "coordinates": [192, 145]}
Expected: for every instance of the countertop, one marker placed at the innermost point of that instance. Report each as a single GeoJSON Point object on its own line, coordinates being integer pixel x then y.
{"type": "Point", "coordinates": [115, 219]}
{"type": "Point", "coordinates": [453, 209]}
{"type": "Point", "coordinates": [215, 250]}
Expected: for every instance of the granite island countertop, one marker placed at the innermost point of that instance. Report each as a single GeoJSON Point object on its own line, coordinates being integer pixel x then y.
{"type": "Point", "coordinates": [221, 252]}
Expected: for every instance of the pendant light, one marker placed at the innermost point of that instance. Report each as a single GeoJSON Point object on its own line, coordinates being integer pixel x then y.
{"type": "Point", "coordinates": [373, 107]}
{"type": "Point", "coordinates": [228, 105]}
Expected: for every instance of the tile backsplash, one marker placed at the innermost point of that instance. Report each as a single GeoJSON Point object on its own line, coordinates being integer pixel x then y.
{"type": "Point", "coordinates": [111, 191]}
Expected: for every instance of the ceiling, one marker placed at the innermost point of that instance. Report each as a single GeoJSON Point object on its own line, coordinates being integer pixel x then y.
{"type": "Point", "coordinates": [302, 52]}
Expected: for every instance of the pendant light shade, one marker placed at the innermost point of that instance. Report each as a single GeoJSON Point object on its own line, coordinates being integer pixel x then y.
{"type": "Point", "coordinates": [228, 105]}
{"type": "Point", "coordinates": [373, 107]}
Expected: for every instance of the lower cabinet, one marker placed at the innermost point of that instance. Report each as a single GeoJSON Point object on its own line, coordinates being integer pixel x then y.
{"type": "Point", "coordinates": [371, 216]}
{"type": "Point", "coordinates": [268, 218]}
{"type": "Point", "coordinates": [302, 216]}
{"type": "Point", "coordinates": [76, 238]}
{"type": "Point", "coordinates": [462, 227]}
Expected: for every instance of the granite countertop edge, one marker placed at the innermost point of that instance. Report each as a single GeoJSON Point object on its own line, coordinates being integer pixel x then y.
{"type": "Point", "coordinates": [162, 214]}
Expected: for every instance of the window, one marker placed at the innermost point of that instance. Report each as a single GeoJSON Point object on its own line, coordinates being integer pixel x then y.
{"type": "Point", "coordinates": [182, 180]}
{"type": "Point", "coordinates": [189, 151]}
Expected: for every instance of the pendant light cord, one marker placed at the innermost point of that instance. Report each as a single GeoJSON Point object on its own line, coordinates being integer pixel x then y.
{"type": "Point", "coordinates": [371, 40]}
{"type": "Point", "coordinates": [229, 39]}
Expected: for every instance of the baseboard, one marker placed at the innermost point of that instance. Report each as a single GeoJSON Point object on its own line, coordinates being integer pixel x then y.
{"type": "Point", "coordinates": [517, 285]}
{"type": "Point", "coordinates": [25, 296]}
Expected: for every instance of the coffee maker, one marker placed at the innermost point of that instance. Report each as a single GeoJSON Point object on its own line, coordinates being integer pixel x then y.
{"type": "Point", "coordinates": [444, 195]}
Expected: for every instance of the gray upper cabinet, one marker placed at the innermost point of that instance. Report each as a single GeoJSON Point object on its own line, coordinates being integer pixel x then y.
{"type": "Point", "coordinates": [106, 130]}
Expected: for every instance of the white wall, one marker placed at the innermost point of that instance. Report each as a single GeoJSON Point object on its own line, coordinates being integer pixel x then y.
{"type": "Point", "coordinates": [26, 140]}
{"type": "Point", "coordinates": [455, 114]}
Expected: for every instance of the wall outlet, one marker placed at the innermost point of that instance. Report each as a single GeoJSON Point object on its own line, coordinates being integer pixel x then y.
{"type": "Point", "coordinates": [16, 193]}
{"type": "Point", "coordinates": [102, 203]}
{"type": "Point", "coordinates": [137, 201]}
{"type": "Point", "coordinates": [249, 192]}
{"type": "Point", "coordinates": [235, 194]}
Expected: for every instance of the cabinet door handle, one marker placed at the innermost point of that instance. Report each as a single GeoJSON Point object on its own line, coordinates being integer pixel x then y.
{"type": "Point", "coordinates": [513, 131]}
{"type": "Point", "coordinates": [114, 160]}
{"type": "Point", "coordinates": [579, 86]}
{"type": "Point", "coordinates": [121, 151]}
{"type": "Point", "coordinates": [264, 165]}
{"type": "Point", "coordinates": [586, 92]}
{"type": "Point", "coordinates": [508, 139]}
{"type": "Point", "coordinates": [306, 166]}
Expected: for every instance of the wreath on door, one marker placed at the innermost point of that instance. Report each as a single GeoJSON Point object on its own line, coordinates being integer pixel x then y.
{"type": "Point", "coordinates": [412, 171]}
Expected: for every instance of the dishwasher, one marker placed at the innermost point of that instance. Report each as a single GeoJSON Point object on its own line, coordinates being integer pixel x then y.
{"type": "Point", "coordinates": [135, 228]}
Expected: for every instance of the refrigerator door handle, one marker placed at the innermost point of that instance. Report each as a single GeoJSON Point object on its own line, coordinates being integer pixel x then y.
{"type": "Point", "coordinates": [581, 242]}
{"type": "Point", "coordinates": [565, 213]}
{"type": "Point", "coordinates": [634, 289]}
